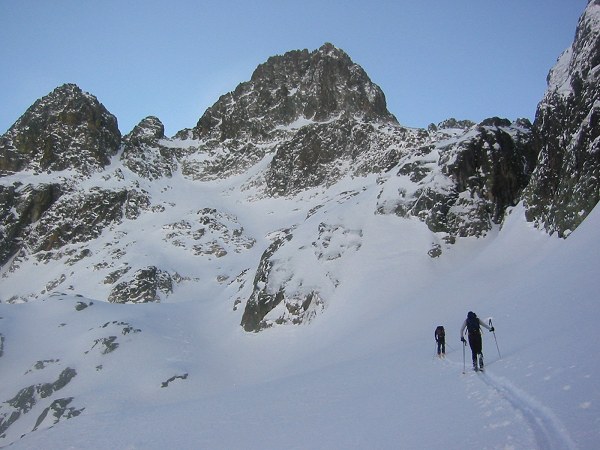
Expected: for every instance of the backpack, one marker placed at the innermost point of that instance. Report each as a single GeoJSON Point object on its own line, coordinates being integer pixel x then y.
{"type": "Point", "coordinates": [472, 322]}
{"type": "Point", "coordinates": [440, 332]}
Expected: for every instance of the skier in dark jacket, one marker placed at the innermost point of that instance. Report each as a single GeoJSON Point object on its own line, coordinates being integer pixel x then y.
{"type": "Point", "coordinates": [473, 326]}
{"type": "Point", "coordinates": [440, 338]}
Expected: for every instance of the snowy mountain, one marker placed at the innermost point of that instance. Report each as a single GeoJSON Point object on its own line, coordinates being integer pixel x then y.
{"type": "Point", "coordinates": [564, 188]}
{"type": "Point", "coordinates": [330, 125]}
{"type": "Point", "coordinates": [272, 276]}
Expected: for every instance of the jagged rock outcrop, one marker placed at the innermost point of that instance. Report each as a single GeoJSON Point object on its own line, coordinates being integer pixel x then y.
{"type": "Point", "coordinates": [495, 164]}
{"type": "Point", "coordinates": [24, 401]}
{"type": "Point", "coordinates": [144, 286]}
{"type": "Point", "coordinates": [284, 95]}
{"type": "Point", "coordinates": [321, 154]}
{"type": "Point", "coordinates": [64, 232]}
{"type": "Point", "coordinates": [490, 165]}
{"type": "Point", "coordinates": [81, 217]}
{"type": "Point", "coordinates": [263, 300]}
{"type": "Point", "coordinates": [282, 301]}
{"type": "Point", "coordinates": [294, 281]}
{"type": "Point", "coordinates": [566, 184]}
{"type": "Point", "coordinates": [464, 176]}
{"type": "Point", "coordinates": [317, 86]}
{"type": "Point", "coordinates": [21, 206]}
{"type": "Point", "coordinates": [67, 129]}
{"type": "Point", "coordinates": [144, 152]}
{"type": "Point", "coordinates": [301, 124]}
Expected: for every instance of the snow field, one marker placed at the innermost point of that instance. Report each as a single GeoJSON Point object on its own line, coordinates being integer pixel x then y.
{"type": "Point", "coordinates": [362, 374]}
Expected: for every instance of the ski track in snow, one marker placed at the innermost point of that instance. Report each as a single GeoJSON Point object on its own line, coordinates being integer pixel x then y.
{"type": "Point", "coordinates": [549, 432]}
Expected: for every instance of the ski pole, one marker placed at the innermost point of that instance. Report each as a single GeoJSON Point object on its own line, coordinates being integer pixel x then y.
{"type": "Point", "coordinates": [496, 340]}
{"type": "Point", "coordinates": [464, 346]}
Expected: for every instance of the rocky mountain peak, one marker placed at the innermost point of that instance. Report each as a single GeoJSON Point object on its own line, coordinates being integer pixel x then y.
{"type": "Point", "coordinates": [318, 85]}
{"type": "Point", "coordinates": [149, 128]}
{"type": "Point", "coordinates": [66, 129]}
{"type": "Point", "coordinates": [309, 131]}
{"type": "Point", "coordinates": [331, 50]}
{"type": "Point", "coordinates": [143, 152]}
{"type": "Point", "coordinates": [579, 62]}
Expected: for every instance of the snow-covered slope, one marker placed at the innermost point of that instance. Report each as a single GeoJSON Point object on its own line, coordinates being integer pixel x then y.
{"type": "Point", "coordinates": [160, 217]}
{"type": "Point", "coordinates": [273, 276]}
{"type": "Point", "coordinates": [363, 375]}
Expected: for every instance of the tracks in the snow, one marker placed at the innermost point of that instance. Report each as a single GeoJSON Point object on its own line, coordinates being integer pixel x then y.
{"type": "Point", "coordinates": [549, 432]}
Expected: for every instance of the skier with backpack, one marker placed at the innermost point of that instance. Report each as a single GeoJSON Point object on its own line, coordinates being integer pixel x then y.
{"type": "Point", "coordinates": [440, 338]}
{"type": "Point", "coordinates": [473, 326]}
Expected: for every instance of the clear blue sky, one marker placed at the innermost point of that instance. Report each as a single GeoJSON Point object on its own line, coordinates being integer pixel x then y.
{"type": "Point", "coordinates": [435, 59]}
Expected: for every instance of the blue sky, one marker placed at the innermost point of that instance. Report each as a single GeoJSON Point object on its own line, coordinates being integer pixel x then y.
{"type": "Point", "coordinates": [435, 59]}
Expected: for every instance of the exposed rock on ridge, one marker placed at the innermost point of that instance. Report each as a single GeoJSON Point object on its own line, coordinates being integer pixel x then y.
{"type": "Point", "coordinates": [304, 122]}
{"type": "Point", "coordinates": [143, 152]}
{"type": "Point", "coordinates": [67, 129]}
{"type": "Point", "coordinates": [315, 86]}
{"type": "Point", "coordinates": [566, 184]}
{"type": "Point", "coordinates": [286, 94]}
{"type": "Point", "coordinates": [82, 208]}
{"type": "Point", "coordinates": [20, 208]}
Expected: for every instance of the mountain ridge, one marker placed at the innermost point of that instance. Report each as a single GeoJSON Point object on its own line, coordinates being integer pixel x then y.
{"type": "Point", "coordinates": [565, 185]}
{"type": "Point", "coordinates": [267, 213]}
{"type": "Point", "coordinates": [305, 121]}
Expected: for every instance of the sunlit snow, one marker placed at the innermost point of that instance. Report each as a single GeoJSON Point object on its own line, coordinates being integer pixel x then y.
{"type": "Point", "coordinates": [361, 374]}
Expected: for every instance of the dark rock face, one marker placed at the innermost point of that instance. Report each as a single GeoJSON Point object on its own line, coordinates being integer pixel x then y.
{"type": "Point", "coordinates": [67, 129]}
{"type": "Point", "coordinates": [21, 206]}
{"type": "Point", "coordinates": [143, 152]}
{"type": "Point", "coordinates": [494, 166]}
{"type": "Point", "coordinates": [465, 176]}
{"type": "Point", "coordinates": [294, 307]}
{"type": "Point", "coordinates": [28, 397]}
{"type": "Point", "coordinates": [320, 154]}
{"type": "Point", "coordinates": [78, 217]}
{"type": "Point", "coordinates": [566, 184]}
{"type": "Point", "coordinates": [144, 286]}
{"type": "Point", "coordinates": [285, 94]}
{"type": "Point", "coordinates": [59, 409]}
{"type": "Point", "coordinates": [262, 301]}
{"type": "Point", "coordinates": [50, 225]}
{"type": "Point", "coordinates": [318, 86]}
{"type": "Point", "coordinates": [281, 293]}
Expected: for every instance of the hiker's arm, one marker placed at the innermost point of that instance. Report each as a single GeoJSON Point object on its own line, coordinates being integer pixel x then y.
{"type": "Point", "coordinates": [483, 324]}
